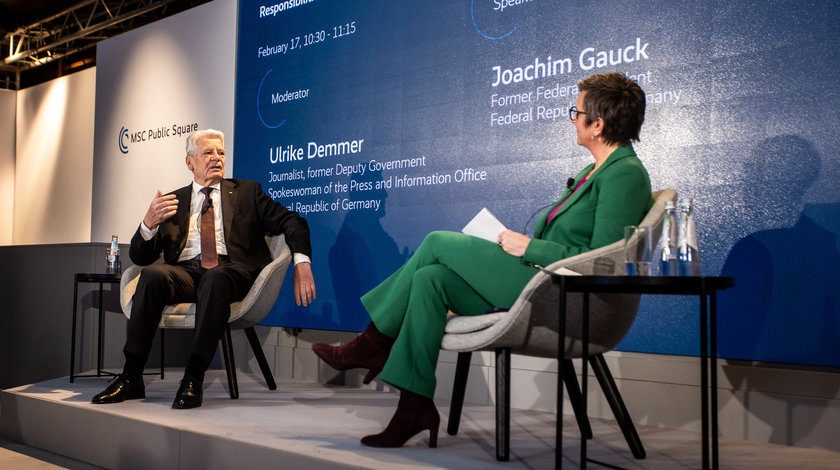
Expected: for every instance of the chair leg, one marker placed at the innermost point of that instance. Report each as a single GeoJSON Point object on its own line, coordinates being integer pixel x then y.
{"type": "Point", "coordinates": [625, 422]}
{"type": "Point", "coordinates": [503, 404]}
{"type": "Point", "coordinates": [573, 389]}
{"type": "Point", "coordinates": [459, 388]}
{"type": "Point", "coordinates": [161, 352]}
{"type": "Point", "coordinates": [260, 356]}
{"type": "Point", "coordinates": [230, 365]}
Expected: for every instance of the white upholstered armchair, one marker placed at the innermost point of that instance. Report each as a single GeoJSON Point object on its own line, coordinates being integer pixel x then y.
{"type": "Point", "coordinates": [243, 314]}
{"type": "Point", "coordinates": [530, 328]}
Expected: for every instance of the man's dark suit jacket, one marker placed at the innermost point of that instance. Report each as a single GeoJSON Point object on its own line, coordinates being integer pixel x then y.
{"type": "Point", "coordinates": [249, 214]}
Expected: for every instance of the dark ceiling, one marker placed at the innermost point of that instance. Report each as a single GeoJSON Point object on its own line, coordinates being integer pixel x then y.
{"type": "Point", "coordinates": [90, 22]}
{"type": "Point", "coordinates": [17, 13]}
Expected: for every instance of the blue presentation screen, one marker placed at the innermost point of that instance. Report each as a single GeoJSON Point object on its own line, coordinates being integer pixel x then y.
{"type": "Point", "coordinates": [380, 121]}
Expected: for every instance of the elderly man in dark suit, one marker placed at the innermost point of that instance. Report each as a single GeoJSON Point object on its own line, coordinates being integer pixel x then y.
{"type": "Point", "coordinates": [211, 234]}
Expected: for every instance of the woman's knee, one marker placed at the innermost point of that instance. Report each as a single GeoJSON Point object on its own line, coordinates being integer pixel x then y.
{"type": "Point", "coordinates": [438, 236]}
{"type": "Point", "coordinates": [429, 242]}
{"type": "Point", "coordinates": [430, 274]}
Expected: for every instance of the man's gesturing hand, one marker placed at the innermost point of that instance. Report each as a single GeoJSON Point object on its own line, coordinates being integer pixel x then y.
{"type": "Point", "coordinates": [161, 208]}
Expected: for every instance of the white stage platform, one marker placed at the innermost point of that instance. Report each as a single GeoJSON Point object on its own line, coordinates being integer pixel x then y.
{"type": "Point", "coordinates": [315, 426]}
{"type": "Point", "coordinates": [300, 425]}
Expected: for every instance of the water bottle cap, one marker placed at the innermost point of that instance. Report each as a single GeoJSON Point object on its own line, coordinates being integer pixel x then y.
{"type": "Point", "coordinates": [686, 205]}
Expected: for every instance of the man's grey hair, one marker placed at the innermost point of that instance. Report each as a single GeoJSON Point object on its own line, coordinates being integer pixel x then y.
{"type": "Point", "coordinates": [192, 140]}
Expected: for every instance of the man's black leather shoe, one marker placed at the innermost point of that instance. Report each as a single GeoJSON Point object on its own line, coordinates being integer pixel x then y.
{"type": "Point", "coordinates": [121, 389]}
{"type": "Point", "coordinates": [189, 394]}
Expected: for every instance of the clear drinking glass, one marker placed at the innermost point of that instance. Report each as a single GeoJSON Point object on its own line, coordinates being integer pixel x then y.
{"type": "Point", "coordinates": [638, 250]}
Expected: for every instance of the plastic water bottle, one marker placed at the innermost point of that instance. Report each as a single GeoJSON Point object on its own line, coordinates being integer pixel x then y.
{"type": "Point", "coordinates": [667, 247]}
{"type": "Point", "coordinates": [689, 256]}
{"type": "Point", "coordinates": [113, 264]}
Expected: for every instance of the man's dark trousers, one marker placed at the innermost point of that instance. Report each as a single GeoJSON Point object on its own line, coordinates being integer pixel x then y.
{"type": "Point", "coordinates": [212, 290]}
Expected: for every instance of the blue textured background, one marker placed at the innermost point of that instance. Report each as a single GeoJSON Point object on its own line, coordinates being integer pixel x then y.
{"type": "Point", "coordinates": [751, 139]}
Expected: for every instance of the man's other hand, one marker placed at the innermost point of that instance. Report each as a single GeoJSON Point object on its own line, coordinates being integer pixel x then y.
{"type": "Point", "coordinates": [304, 284]}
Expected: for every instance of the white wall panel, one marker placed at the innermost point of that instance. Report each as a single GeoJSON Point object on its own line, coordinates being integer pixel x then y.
{"type": "Point", "coordinates": [7, 164]}
{"type": "Point", "coordinates": [53, 167]}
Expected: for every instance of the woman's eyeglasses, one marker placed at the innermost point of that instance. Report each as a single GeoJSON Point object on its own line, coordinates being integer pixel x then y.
{"type": "Point", "coordinates": [573, 113]}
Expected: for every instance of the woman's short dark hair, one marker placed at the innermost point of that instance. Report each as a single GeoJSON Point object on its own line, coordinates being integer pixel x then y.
{"type": "Point", "coordinates": [619, 101]}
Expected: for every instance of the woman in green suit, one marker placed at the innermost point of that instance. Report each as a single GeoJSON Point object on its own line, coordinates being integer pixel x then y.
{"type": "Point", "coordinates": [468, 275]}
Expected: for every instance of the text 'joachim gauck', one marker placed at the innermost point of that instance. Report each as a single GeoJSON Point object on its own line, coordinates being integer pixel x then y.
{"type": "Point", "coordinates": [588, 59]}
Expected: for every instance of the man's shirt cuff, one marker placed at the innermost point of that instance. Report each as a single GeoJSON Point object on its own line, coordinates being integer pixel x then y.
{"type": "Point", "coordinates": [146, 232]}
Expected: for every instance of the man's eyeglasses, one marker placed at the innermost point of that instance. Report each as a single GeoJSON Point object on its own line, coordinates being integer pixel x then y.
{"type": "Point", "coordinates": [573, 113]}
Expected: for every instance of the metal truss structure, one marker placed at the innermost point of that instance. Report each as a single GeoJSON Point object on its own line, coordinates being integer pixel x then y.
{"type": "Point", "coordinates": [73, 33]}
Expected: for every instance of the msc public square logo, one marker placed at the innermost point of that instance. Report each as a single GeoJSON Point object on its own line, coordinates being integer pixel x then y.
{"type": "Point", "coordinates": [126, 137]}
{"type": "Point", "coordinates": [123, 139]}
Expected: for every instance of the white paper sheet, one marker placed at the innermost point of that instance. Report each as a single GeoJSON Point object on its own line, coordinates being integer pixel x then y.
{"type": "Point", "coordinates": [484, 225]}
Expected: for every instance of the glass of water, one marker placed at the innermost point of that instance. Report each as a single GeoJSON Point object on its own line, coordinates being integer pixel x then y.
{"type": "Point", "coordinates": [638, 250]}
